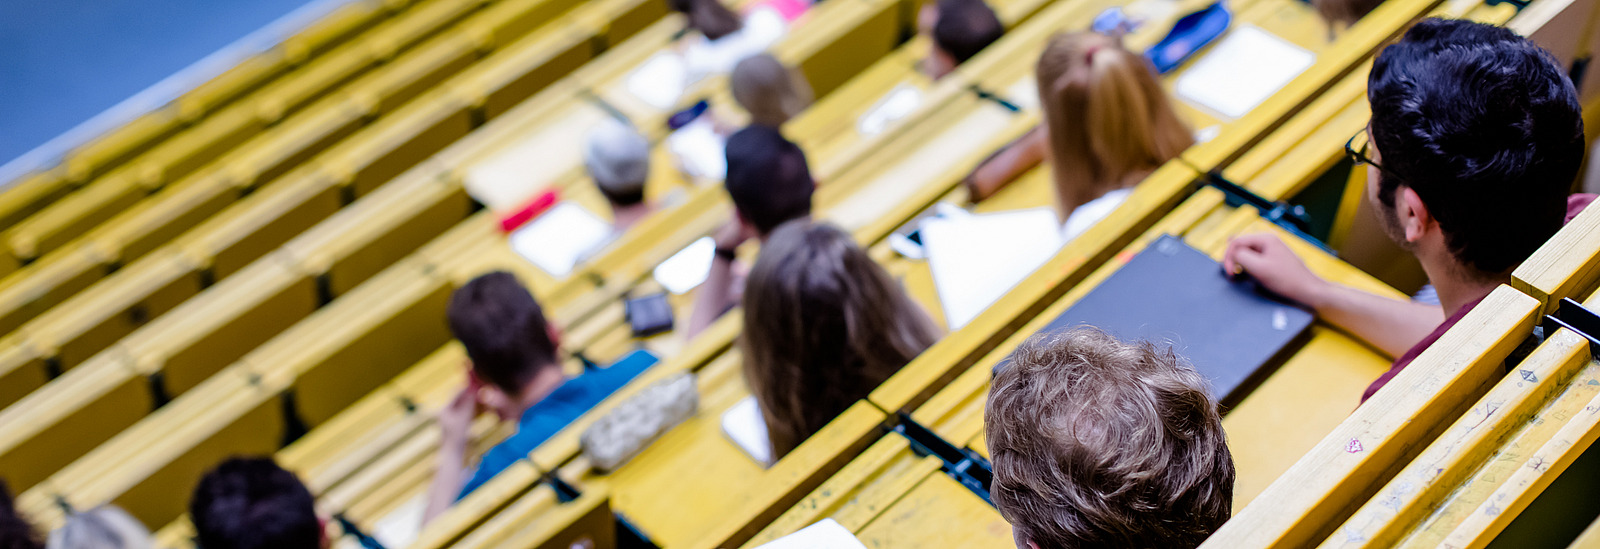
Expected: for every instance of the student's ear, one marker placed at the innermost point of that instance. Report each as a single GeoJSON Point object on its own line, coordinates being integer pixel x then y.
{"type": "Point", "coordinates": [554, 333]}
{"type": "Point", "coordinates": [1415, 220]}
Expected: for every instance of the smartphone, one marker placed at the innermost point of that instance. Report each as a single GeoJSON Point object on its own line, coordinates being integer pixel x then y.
{"type": "Point", "coordinates": [682, 118]}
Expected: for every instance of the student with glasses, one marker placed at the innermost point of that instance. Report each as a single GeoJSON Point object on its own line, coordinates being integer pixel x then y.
{"type": "Point", "coordinates": [1476, 138]}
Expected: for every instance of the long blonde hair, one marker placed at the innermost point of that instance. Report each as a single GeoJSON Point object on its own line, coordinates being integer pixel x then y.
{"type": "Point", "coordinates": [1108, 118]}
{"type": "Point", "coordinates": [823, 326]}
{"type": "Point", "coordinates": [771, 92]}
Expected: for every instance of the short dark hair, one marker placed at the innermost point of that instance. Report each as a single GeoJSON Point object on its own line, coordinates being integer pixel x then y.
{"type": "Point", "coordinates": [15, 531]}
{"type": "Point", "coordinates": [966, 27]}
{"type": "Point", "coordinates": [1486, 128]}
{"type": "Point", "coordinates": [252, 503]}
{"type": "Point", "coordinates": [1101, 443]}
{"type": "Point", "coordinates": [768, 178]}
{"type": "Point", "coordinates": [503, 329]}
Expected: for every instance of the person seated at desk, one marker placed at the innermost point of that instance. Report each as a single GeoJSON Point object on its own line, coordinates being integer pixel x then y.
{"type": "Point", "coordinates": [1343, 13]}
{"type": "Point", "coordinates": [770, 184]}
{"type": "Point", "coordinates": [514, 373]}
{"type": "Point", "coordinates": [1476, 136]}
{"type": "Point", "coordinates": [959, 29]}
{"type": "Point", "coordinates": [823, 326]}
{"type": "Point", "coordinates": [771, 92]}
{"type": "Point", "coordinates": [252, 503]}
{"type": "Point", "coordinates": [1101, 443]}
{"type": "Point", "coordinates": [725, 38]}
{"type": "Point", "coordinates": [1108, 124]}
{"type": "Point", "coordinates": [104, 527]}
{"type": "Point", "coordinates": [618, 159]}
{"type": "Point", "coordinates": [15, 531]}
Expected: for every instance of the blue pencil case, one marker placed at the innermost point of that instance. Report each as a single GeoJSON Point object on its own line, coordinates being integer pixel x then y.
{"type": "Point", "coordinates": [1188, 35]}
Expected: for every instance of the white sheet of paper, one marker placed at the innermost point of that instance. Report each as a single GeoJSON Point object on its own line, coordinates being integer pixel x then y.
{"type": "Point", "coordinates": [557, 240]}
{"type": "Point", "coordinates": [699, 149]}
{"type": "Point", "coordinates": [826, 534]}
{"type": "Point", "coordinates": [744, 425]}
{"type": "Point", "coordinates": [660, 81]}
{"type": "Point", "coordinates": [687, 268]}
{"type": "Point", "coordinates": [401, 526]}
{"type": "Point", "coordinates": [1245, 68]}
{"type": "Point", "coordinates": [900, 101]}
{"type": "Point", "coordinates": [977, 259]}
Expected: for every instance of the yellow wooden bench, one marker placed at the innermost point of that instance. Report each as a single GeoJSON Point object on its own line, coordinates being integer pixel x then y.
{"type": "Point", "coordinates": [249, 229]}
{"type": "Point", "coordinates": [181, 204]}
{"type": "Point", "coordinates": [325, 363]}
{"type": "Point", "coordinates": [1493, 460]}
{"type": "Point", "coordinates": [34, 191]}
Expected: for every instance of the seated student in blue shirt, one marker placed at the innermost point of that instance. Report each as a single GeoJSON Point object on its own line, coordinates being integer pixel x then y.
{"type": "Point", "coordinates": [514, 372]}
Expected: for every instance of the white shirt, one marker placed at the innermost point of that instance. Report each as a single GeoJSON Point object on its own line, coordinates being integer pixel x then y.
{"type": "Point", "coordinates": [1092, 212]}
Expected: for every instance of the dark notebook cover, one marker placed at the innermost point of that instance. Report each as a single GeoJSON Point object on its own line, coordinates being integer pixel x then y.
{"type": "Point", "coordinates": [1173, 294]}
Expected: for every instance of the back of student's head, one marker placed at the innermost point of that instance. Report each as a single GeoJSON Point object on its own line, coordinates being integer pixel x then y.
{"type": "Point", "coordinates": [105, 527]}
{"type": "Point", "coordinates": [1486, 128]}
{"type": "Point", "coordinates": [15, 531]}
{"type": "Point", "coordinates": [966, 27]}
{"type": "Point", "coordinates": [768, 178]}
{"type": "Point", "coordinates": [1101, 443]}
{"type": "Point", "coordinates": [618, 158]}
{"type": "Point", "coordinates": [823, 326]}
{"type": "Point", "coordinates": [1106, 112]}
{"type": "Point", "coordinates": [769, 91]}
{"type": "Point", "coordinates": [503, 330]}
{"type": "Point", "coordinates": [251, 503]}
{"type": "Point", "coordinates": [709, 17]}
{"type": "Point", "coordinates": [1345, 12]}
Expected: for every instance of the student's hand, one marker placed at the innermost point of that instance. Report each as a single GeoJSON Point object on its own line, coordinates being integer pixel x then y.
{"type": "Point", "coordinates": [455, 420]}
{"type": "Point", "coordinates": [1275, 266]}
{"type": "Point", "coordinates": [731, 235]}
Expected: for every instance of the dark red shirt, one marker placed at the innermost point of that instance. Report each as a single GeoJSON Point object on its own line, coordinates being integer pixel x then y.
{"type": "Point", "coordinates": [1575, 204]}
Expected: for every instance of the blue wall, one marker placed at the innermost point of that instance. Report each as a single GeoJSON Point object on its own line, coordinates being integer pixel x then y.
{"type": "Point", "coordinates": [65, 61]}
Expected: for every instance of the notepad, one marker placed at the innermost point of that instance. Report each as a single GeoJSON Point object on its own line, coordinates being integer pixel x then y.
{"type": "Point", "coordinates": [401, 526]}
{"type": "Point", "coordinates": [700, 151]}
{"type": "Point", "coordinates": [1243, 69]}
{"type": "Point", "coordinates": [744, 425]}
{"type": "Point", "coordinates": [660, 81]}
{"type": "Point", "coordinates": [556, 241]}
{"type": "Point", "coordinates": [976, 259]}
{"type": "Point", "coordinates": [687, 268]}
{"type": "Point", "coordinates": [900, 102]}
{"type": "Point", "coordinates": [826, 534]}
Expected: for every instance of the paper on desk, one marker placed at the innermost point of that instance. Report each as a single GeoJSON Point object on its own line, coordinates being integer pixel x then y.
{"type": "Point", "coordinates": [900, 101]}
{"type": "Point", "coordinates": [700, 150]}
{"type": "Point", "coordinates": [977, 259]}
{"type": "Point", "coordinates": [826, 534]}
{"type": "Point", "coordinates": [687, 268]}
{"type": "Point", "coordinates": [1245, 68]}
{"type": "Point", "coordinates": [557, 240]}
{"type": "Point", "coordinates": [744, 425]}
{"type": "Point", "coordinates": [660, 81]}
{"type": "Point", "coordinates": [401, 526]}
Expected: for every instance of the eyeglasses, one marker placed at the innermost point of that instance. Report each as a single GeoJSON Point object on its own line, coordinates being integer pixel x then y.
{"type": "Point", "coordinates": [1358, 154]}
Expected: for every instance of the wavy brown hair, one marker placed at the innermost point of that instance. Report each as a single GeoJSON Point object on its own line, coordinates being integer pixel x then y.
{"type": "Point", "coordinates": [1108, 118]}
{"type": "Point", "coordinates": [823, 326]}
{"type": "Point", "coordinates": [1101, 443]}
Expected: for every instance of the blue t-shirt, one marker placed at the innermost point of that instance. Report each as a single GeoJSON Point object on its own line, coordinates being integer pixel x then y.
{"type": "Point", "coordinates": [558, 409]}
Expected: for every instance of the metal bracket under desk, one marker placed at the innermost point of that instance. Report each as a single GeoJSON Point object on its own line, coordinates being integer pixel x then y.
{"type": "Point", "coordinates": [1574, 316]}
{"type": "Point", "coordinates": [965, 466]}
